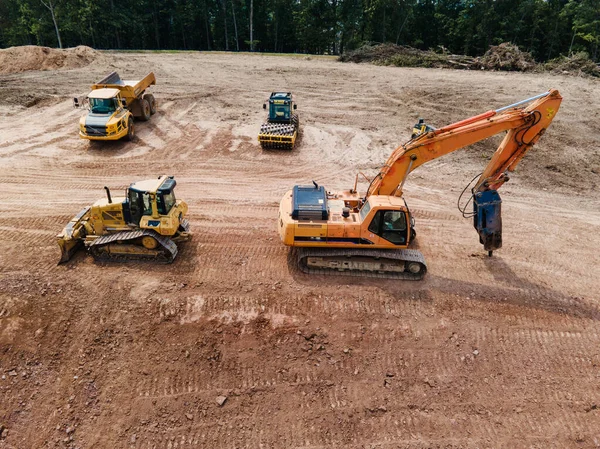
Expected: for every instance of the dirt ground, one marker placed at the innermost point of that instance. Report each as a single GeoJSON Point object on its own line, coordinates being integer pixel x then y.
{"type": "Point", "coordinates": [500, 352]}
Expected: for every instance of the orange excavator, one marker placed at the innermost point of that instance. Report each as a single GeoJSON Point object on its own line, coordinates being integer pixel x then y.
{"type": "Point", "coordinates": [370, 234]}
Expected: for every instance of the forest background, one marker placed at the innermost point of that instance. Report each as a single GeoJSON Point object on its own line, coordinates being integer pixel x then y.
{"type": "Point", "coordinates": [545, 28]}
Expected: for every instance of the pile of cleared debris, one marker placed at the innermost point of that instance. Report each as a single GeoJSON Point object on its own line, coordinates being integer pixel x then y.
{"type": "Point", "coordinates": [578, 64]}
{"type": "Point", "coordinates": [505, 56]}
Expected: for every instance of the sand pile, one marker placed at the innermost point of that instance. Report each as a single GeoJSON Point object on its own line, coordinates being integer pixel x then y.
{"type": "Point", "coordinates": [32, 57]}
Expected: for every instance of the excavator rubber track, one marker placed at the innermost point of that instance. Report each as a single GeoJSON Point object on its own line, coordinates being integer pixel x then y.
{"type": "Point", "coordinates": [407, 260]}
{"type": "Point", "coordinates": [127, 245]}
{"type": "Point", "coordinates": [279, 136]}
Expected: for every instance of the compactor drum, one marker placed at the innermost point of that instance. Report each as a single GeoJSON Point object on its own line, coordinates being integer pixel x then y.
{"type": "Point", "coordinates": [146, 224]}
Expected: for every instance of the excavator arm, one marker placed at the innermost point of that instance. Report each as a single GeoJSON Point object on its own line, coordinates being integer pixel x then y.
{"type": "Point", "coordinates": [525, 125]}
{"type": "Point", "coordinates": [525, 122]}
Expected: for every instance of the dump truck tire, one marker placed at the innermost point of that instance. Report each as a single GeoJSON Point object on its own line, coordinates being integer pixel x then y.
{"type": "Point", "coordinates": [130, 130]}
{"type": "Point", "coordinates": [150, 98]}
{"type": "Point", "coordinates": [146, 113]}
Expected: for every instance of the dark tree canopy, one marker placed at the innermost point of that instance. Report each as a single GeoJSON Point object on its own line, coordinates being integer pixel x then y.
{"type": "Point", "coordinates": [546, 28]}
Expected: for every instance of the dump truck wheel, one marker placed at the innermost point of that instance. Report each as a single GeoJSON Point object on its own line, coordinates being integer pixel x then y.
{"type": "Point", "coordinates": [145, 110]}
{"type": "Point", "coordinates": [150, 98]}
{"type": "Point", "coordinates": [130, 131]}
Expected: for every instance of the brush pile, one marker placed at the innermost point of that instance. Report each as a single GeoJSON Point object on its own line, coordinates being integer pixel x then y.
{"type": "Point", "coordinates": [506, 57]}
{"type": "Point", "coordinates": [578, 64]}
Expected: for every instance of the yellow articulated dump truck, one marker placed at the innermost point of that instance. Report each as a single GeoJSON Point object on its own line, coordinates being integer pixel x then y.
{"type": "Point", "coordinates": [112, 104]}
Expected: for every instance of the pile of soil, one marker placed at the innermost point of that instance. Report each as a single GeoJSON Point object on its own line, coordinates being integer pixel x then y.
{"type": "Point", "coordinates": [578, 64]}
{"type": "Point", "coordinates": [32, 57]}
{"type": "Point", "coordinates": [507, 56]}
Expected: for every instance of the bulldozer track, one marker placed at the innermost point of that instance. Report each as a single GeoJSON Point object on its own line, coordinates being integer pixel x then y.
{"type": "Point", "coordinates": [407, 255]}
{"type": "Point", "coordinates": [167, 255]}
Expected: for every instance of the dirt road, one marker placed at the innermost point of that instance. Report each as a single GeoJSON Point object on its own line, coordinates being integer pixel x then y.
{"type": "Point", "coordinates": [499, 352]}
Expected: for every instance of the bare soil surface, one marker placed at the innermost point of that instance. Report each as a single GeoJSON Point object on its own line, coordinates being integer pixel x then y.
{"type": "Point", "coordinates": [500, 352]}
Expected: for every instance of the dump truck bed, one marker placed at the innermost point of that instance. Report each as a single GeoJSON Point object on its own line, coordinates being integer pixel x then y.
{"type": "Point", "coordinates": [130, 89]}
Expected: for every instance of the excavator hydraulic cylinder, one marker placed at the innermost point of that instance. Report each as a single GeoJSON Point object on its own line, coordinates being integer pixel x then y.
{"type": "Point", "coordinates": [487, 219]}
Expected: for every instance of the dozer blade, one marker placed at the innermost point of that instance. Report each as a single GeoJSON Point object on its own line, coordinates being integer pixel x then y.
{"type": "Point", "coordinates": [71, 237]}
{"type": "Point", "coordinates": [68, 248]}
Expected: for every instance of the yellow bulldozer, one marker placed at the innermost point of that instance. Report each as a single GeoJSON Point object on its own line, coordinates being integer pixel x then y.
{"type": "Point", "coordinates": [145, 224]}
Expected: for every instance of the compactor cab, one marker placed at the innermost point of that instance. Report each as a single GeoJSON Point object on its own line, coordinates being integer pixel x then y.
{"type": "Point", "coordinates": [281, 106]}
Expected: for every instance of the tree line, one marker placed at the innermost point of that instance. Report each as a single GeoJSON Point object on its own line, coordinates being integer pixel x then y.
{"type": "Point", "coordinates": [546, 28]}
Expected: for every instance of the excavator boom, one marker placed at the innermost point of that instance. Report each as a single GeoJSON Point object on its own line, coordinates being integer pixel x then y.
{"type": "Point", "coordinates": [525, 125]}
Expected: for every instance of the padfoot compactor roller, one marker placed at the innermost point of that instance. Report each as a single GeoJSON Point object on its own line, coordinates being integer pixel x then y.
{"type": "Point", "coordinates": [146, 224]}
{"type": "Point", "coordinates": [281, 129]}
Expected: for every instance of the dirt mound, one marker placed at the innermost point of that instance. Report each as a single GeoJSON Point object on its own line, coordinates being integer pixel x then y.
{"type": "Point", "coordinates": [32, 57]}
{"type": "Point", "coordinates": [578, 64]}
{"type": "Point", "coordinates": [507, 56]}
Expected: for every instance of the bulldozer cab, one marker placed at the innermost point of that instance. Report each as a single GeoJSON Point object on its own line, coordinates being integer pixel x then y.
{"type": "Point", "coordinates": [154, 203]}
{"type": "Point", "coordinates": [281, 105]}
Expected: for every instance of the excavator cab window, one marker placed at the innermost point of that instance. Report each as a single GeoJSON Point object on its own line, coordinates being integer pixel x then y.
{"type": "Point", "coordinates": [390, 225]}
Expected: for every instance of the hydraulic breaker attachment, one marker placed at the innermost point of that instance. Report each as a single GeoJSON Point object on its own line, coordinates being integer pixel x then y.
{"type": "Point", "coordinates": [487, 219]}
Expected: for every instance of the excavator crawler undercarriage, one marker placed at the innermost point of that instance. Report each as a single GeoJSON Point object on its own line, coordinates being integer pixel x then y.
{"type": "Point", "coordinates": [406, 264]}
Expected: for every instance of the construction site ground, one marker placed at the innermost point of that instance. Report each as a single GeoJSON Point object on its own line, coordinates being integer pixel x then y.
{"type": "Point", "coordinates": [500, 352]}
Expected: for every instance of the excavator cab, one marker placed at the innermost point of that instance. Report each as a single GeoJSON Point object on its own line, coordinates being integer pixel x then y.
{"type": "Point", "coordinates": [390, 225]}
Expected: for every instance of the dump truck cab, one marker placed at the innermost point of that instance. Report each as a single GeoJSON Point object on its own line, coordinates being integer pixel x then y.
{"type": "Point", "coordinates": [107, 118]}
{"type": "Point", "coordinates": [281, 106]}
